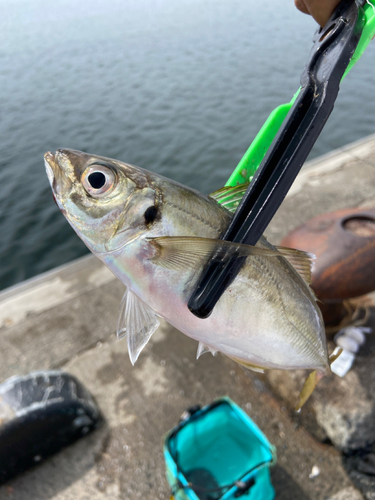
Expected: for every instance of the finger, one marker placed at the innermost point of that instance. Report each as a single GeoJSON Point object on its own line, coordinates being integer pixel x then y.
{"type": "Point", "coordinates": [321, 10]}
{"type": "Point", "coordinates": [301, 6]}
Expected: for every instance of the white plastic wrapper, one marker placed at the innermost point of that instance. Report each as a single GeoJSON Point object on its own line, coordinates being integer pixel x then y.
{"type": "Point", "coordinates": [343, 363]}
{"type": "Point", "coordinates": [347, 343]}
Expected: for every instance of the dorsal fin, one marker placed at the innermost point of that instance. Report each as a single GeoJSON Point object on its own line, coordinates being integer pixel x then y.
{"type": "Point", "coordinates": [300, 260]}
{"type": "Point", "coordinates": [230, 196]}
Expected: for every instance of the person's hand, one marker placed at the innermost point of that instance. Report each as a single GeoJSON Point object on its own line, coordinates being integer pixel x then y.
{"type": "Point", "coordinates": [320, 10]}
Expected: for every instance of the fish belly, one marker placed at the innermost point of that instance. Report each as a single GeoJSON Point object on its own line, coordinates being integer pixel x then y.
{"type": "Point", "coordinates": [265, 318]}
{"type": "Point", "coordinates": [258, 331]}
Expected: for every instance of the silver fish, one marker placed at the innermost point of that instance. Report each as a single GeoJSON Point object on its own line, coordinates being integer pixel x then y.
{"type": "Point", "coordinates": [156, 235]}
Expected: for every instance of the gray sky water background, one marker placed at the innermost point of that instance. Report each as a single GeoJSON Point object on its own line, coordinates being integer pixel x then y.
{"type": "Point", "coordinates": [180, 88]}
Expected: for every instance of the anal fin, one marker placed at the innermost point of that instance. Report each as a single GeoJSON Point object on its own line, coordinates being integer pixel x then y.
{"type": "Point", "coordinates": [249, 366]}
{"type": "Point", "coordinates": [203, 348]}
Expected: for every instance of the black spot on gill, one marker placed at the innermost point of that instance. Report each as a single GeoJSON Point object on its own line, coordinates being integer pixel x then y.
{"type": "Point", "coordinates": [151, 214]}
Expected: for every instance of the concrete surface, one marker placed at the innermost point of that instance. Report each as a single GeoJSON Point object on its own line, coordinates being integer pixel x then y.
{"type": "Point", "coordinates": [66, 319]}
{"type": "Point", "coordinates": [347, 494]}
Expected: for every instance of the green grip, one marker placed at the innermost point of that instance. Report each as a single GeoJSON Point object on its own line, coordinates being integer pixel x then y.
{"type": "Point", "coordinates": [253, 157]}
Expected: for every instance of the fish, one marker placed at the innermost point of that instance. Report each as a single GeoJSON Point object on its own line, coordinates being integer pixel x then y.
{"type": "Point", "coordinates": [157, 235]}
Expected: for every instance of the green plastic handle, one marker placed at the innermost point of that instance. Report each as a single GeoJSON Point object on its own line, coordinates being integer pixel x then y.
{"type": "Point", "coordinates": [253, 157]}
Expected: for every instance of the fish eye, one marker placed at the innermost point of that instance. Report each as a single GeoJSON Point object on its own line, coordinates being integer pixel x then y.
{"type": "Point", "coordinates": [98, 180]}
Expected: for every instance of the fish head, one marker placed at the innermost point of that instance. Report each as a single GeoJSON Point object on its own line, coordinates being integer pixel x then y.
{"type": "Point", "coordinates": [108, 203]}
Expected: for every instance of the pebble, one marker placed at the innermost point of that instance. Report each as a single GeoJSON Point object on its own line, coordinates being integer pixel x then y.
{"type": "Point", "coordinates": [315, 471]}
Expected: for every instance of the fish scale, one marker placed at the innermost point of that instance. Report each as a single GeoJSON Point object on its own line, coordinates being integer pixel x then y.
{"type": "Point", "coordinates": [270, 282]}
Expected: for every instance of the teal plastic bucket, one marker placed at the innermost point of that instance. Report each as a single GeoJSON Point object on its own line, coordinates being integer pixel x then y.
{"type": "Point", "coordinates": [218, 453]}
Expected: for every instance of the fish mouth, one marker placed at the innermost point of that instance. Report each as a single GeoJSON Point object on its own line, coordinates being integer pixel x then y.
{"type": "Point", "coordinates": [59, 172]}
{"type": "Point", "coordinates": [51, 167]}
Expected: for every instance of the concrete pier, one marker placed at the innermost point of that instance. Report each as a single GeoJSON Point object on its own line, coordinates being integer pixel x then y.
{"type": "Point", "coordinates": [66, 319]}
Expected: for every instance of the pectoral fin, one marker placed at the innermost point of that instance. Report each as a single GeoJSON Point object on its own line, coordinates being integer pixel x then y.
{"type": "Point", "coordinates": [137, 321]}
{"type": "Point", "coordinates": [180, 252]}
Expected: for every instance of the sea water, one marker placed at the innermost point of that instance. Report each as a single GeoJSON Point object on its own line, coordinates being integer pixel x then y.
{"type": "Point", "coordinates": [179, 88]}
